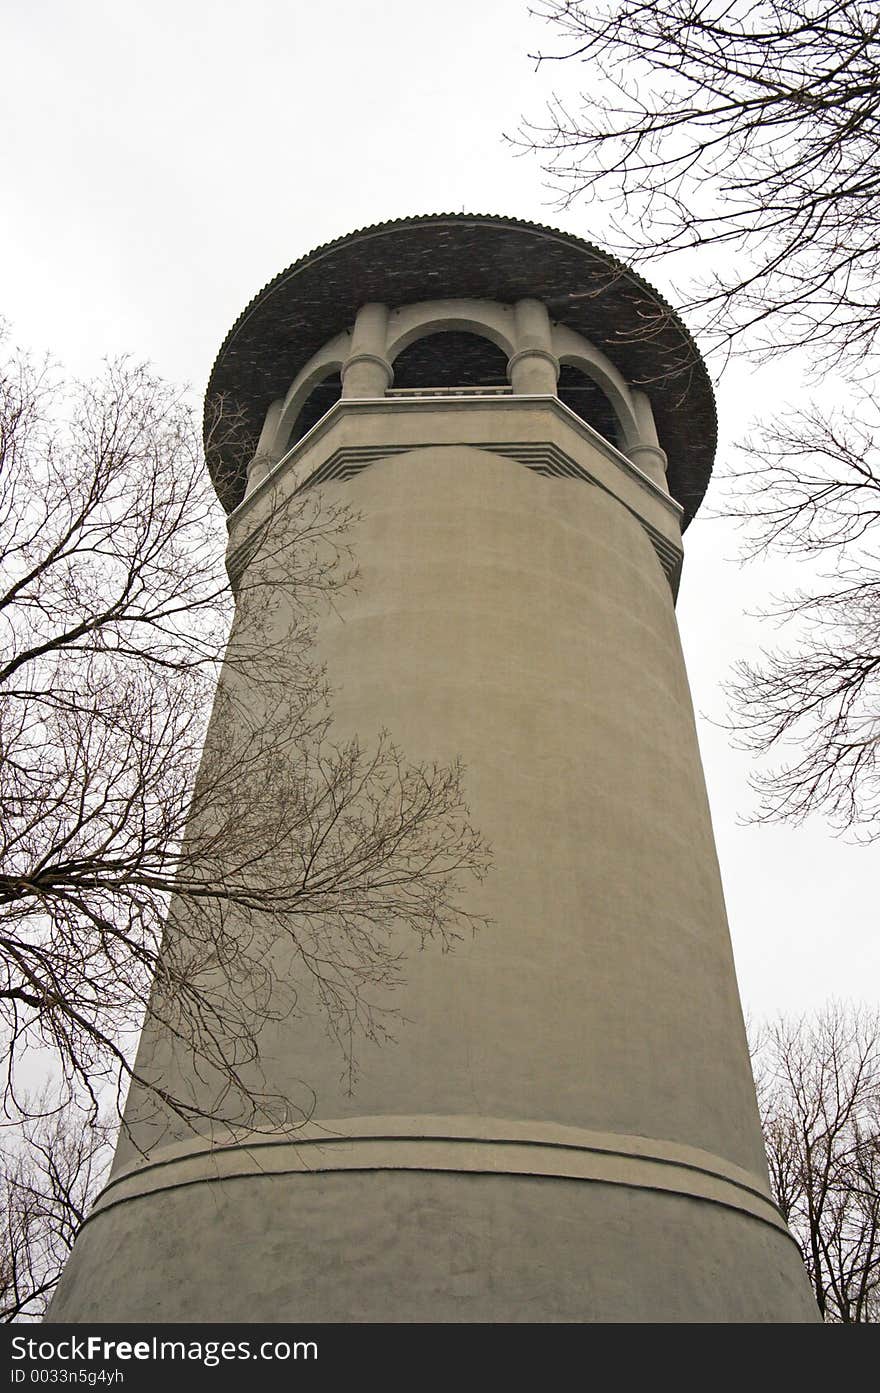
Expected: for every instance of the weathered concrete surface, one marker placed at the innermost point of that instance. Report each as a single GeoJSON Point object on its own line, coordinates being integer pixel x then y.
{"type": "Point", "coordinates": [404, 1247]}
{"type": "Point", "coordinates": [526, 624]}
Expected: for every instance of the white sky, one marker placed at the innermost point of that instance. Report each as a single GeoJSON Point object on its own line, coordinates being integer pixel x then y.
{"type": "Point", "coordinates": [161, 162]}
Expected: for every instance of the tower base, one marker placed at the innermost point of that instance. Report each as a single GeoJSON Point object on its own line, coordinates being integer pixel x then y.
{"type": "Point", "coordinates": [398, 1246]}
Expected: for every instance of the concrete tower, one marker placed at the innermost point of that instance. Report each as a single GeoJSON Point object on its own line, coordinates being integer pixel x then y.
{"type": "Point", "coordinates": [567, 1127]}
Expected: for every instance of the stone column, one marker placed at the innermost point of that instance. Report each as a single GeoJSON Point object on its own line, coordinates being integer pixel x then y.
{"type": "Point", "coordinates": [268, 451]}
{"type": "Point", "coordinates": [366, 372]}
{"type": "Point", "coordinates": [533, 369]}
{"type": "Point", "coordinates": [647, 452]}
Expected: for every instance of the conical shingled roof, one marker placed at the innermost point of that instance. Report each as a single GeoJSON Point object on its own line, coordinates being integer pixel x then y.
{"type": "Point", "coordinates": [483, 256]}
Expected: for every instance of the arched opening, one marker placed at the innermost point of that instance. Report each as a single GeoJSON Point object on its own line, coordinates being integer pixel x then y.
{"type": "Point", "coordinates": [319, 401]}
{"type": "Point", "coordinates": [586, 399]}
{"type": "Point", "coordinates": [450, 358]}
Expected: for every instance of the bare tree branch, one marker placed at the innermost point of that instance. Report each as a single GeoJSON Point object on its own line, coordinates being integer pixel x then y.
{"type": "Point", "coordinates": [741, 138]}
{"type": "Point", "coordinates": [809, 486]}
{"type": "Point", "coordinates": [48, 1178]}
{"type": "Point", "coordinates": [151, 857]}
{"type": "Point", "coordinates": [818, 1083]}
{"type": "Point", "coordinates": [747, 129]}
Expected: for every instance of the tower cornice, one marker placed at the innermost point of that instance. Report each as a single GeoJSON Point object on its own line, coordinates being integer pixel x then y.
{"type": "Point", "coordinates": [469, 255]}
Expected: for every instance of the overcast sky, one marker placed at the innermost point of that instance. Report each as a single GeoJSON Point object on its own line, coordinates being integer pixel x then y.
{"type": "Point", "coordinates": [162, 161]}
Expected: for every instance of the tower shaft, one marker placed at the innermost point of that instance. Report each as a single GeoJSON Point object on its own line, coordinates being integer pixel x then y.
{"type": "Point", "coordinates": [565, 1128]}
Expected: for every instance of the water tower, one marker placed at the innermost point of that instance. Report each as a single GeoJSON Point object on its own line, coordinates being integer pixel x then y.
{"type": "Point", "coordinates": [566, 1129]}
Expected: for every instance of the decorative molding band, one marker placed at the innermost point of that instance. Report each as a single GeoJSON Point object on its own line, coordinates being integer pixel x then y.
{"type": "Point", "coordinates": [515, 402]}
{"type": "Point", "coordinates": [547, 459]}
{"type": "Point", "coordinates": [452, 1145]}
{"type": "Point", "coordinates": [240, 557]}
{"type": "Point", "coordinates": [376, 358]}
{"type": "Point", "coordinates": [651, 452]}
{"type": "Point", "coordinates": [542, 458]}
{"type": "Point", "coordinates": [535, 352]}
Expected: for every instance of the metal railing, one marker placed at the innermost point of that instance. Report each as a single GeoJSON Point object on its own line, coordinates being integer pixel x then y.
{"type": "Point", "coordinates": [449, 391]}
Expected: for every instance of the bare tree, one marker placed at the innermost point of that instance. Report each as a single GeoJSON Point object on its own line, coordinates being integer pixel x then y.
{"type": "Point", "coordinates": [48, 1176]}
{"type": "Point", "coordinates": [809, 487]}
{"type": "Point", "coordinates": [747, 129]}
{"type": "Point", "coordinates": [741, 139]}
{"type": "Point", "coordinates": [818, 1083]}
{"type": "Point", "coordinates": [114, 612]}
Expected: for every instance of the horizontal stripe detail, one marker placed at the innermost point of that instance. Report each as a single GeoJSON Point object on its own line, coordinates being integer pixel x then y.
{"type": "Point", "coordinates": [462, 1145]}
{"type": "Point", "coordinates": [548, 460]}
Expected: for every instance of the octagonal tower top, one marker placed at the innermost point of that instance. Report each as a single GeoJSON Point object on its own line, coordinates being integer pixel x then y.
{"type": "Point", "coordinates": [474, 257]}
